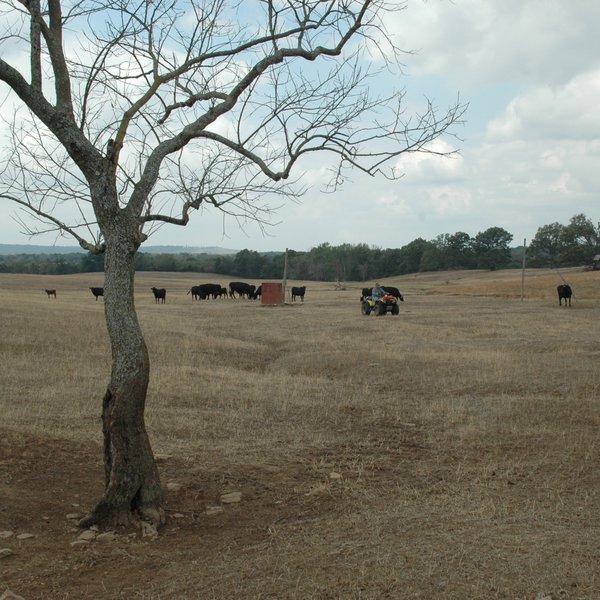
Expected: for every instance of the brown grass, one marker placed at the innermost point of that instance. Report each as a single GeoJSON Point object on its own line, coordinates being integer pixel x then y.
{"type": "Point", "coordinates": [465, 432]}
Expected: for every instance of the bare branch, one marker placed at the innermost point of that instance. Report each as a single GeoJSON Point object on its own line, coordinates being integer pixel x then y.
{"type": "Point", "coordinates": [93, 248]}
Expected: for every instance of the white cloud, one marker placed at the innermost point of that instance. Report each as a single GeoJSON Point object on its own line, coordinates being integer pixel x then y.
{"type": "Point", "coordinates": [432, 165]}
{"type": "Point", "coordinates": [565, 111]}
{"type": "Point", "coordinates": [486, 40]}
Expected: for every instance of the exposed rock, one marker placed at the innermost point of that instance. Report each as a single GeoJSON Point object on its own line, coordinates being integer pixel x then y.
{"type": "Point", "coordinates": [178, 515]}
{"type": "Point", "coordinates": [335, 475]}
{"type": "Point", "coordinates": [6, 534]}
{"type": "Point", "coordinates": [80, 543]}
{"type": "Point", "coordinates": [25, 536]}
{"type": "Point", "coordinates": [231, 497]}
{"type": "Point", "coordinates": [173, 487]}
{"type": "Point", "coordinates": [4, 552]}
{"type": "Point", "coordinates": [9, 595]}
{"type": "Point", "coordinates": [149, 530]}
{"type": "Point", "coordinates": [74, 516]}
{"type": "Point", "coordinates": [214, 510]}
{"type": "Point", "coordinates": [88, 534]}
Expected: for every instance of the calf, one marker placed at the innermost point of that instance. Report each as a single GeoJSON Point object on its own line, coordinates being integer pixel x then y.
{"type": "Point", "coordinates": [564, 291]}
{"type": "Point", "coordinates": [160, 294]}
{"type": "Point", "coordinates": [97, 291]}
{"type": "Point", "coordinates": [51, 293]}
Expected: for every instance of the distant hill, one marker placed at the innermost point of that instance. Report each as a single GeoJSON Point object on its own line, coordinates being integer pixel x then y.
{"type": "Point", "coordinates": [33, 249]}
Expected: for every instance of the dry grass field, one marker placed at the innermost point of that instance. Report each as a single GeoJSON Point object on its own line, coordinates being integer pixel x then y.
{"type": "Point", "coordinates": [451, 452]}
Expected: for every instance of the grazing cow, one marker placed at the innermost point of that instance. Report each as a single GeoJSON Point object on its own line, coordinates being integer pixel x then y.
{"type": "Point", "coordinates": [97, 291]}
{"type": "Point", "coordinates": [298, 291]}
{"type": "Point", "coordinates": [206, 290]}
{"type": "Point", "coordinates": [209, 289]}
{"type": "Point", "coordinates": [257, 293]}
{"type": "Point", "coordinates": [195, 291]}
{"type": "Point", "coordinates": [51, 293]}
{"type": "Point", "coordinates": [160, 295]}
{"type": "Point", "coordinates": [564, 291]}
{"type": "Point", "coordinates": [241, 289]}
{"type": "Point", "coordinates": [223, 292]}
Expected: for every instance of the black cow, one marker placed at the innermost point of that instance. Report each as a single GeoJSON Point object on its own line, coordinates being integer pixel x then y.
{"type": "Point", "coordinates": [51, 293]}
{"type": "Point", "coordinates": [564, 291]}
{"type": "Point", "coordinates": [241, 289]}
{"type": "Point", "coordinates": [393, 291]}
{"type": "Point", "coordinates": [97, 291]}
{"type": "Point", "coordinates": [195, 291]}
{"type": "Point", "coordinates": [206, 290]}
{"type": "Point", "coordinates": [160, 294]}
{"type": "Point", "coordinates": [298, 291]}
{"type": "Point", "coordinates": [209, 289]}
{"type": "Point", "coordinates": [257, 293]}
{"type": "Point", "coordinates": [223, 292]}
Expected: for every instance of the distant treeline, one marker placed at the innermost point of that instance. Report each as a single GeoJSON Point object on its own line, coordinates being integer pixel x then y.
{"type": "Point", "coordinates": [554, 245]}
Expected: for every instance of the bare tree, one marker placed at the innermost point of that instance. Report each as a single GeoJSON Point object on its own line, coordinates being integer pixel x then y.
{"type": "Point", "coordinates": [134, 114]}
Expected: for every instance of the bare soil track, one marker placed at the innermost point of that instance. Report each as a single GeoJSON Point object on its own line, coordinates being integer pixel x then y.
{"type": "Point", "coordinates": [451, 452]}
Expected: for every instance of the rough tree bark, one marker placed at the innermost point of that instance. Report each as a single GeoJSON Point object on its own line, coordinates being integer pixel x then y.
{"type": "Point", "coordinates": [132, 483]}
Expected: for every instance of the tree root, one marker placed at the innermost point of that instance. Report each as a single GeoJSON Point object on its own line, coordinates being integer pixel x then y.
{"type": "Point", "coordinates": [107, 517]}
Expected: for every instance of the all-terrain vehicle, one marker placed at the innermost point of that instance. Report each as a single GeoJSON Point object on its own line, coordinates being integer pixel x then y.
{"type": "Point", "coordinates": [380, 306]}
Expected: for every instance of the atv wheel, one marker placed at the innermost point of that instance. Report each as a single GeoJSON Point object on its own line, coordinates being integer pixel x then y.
{"type": "Point", "coordinates": [395, 309]}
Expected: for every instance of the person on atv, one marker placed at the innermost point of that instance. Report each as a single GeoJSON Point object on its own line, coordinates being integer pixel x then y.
{"type": "Point", "coordinates": [377, 293]}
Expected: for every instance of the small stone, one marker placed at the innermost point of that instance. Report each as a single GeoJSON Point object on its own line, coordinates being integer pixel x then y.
{"type": "Point", "coordinates": [173, 487]}
{"type": "Point", "coordinates": [231, 497]}
{"type": "Point", "coordinates": [25, 536]}
{"type": "Point", "coordinates": [214, 510]}
{"type": "Point", "coordinates": [162, 457]}
{"type": "Point", "coordinates": [74, 516]}
{"type": "Point", "coordinates": [178, 516]}
{"type": "Point", "coordinates": [80, 543]}
{"type": "Point", "coordinates": [4, 552]}
{"type": "Point", "coordinates": [88, 534]}
{"type": "Point", "coordinates": [6, 534]}
{"type": "Point", "coordinates": [149, 530]}
{"type": "Point", "coordinates": [334, 475]}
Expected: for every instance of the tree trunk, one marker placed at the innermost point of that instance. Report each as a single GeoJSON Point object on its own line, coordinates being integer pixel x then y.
{"type": "Point", "coordinates": [132, 489]}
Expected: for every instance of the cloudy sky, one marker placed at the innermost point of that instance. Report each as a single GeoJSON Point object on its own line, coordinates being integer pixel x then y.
{"type": "Point", "coordinates": [529, 149]}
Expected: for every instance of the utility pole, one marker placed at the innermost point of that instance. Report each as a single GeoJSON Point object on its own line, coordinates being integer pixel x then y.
{"type": "Point", "coordinates": [523, 269]}
{"type": "Point", "coordinates": [285, 267]}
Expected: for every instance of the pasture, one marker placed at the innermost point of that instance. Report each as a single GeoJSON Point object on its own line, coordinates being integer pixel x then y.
{"type": "Point", "coordinates": [451, 452]}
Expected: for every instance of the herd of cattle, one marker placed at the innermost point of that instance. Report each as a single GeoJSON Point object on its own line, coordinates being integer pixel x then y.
{"type": "Point", "coordinates": [205, 291]}
{"type": "Point", "coordinates": [247, 290]}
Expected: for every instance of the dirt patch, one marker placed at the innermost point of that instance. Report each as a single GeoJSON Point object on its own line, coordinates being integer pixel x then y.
{"type": "Point", "coordinates": [205, 548]}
